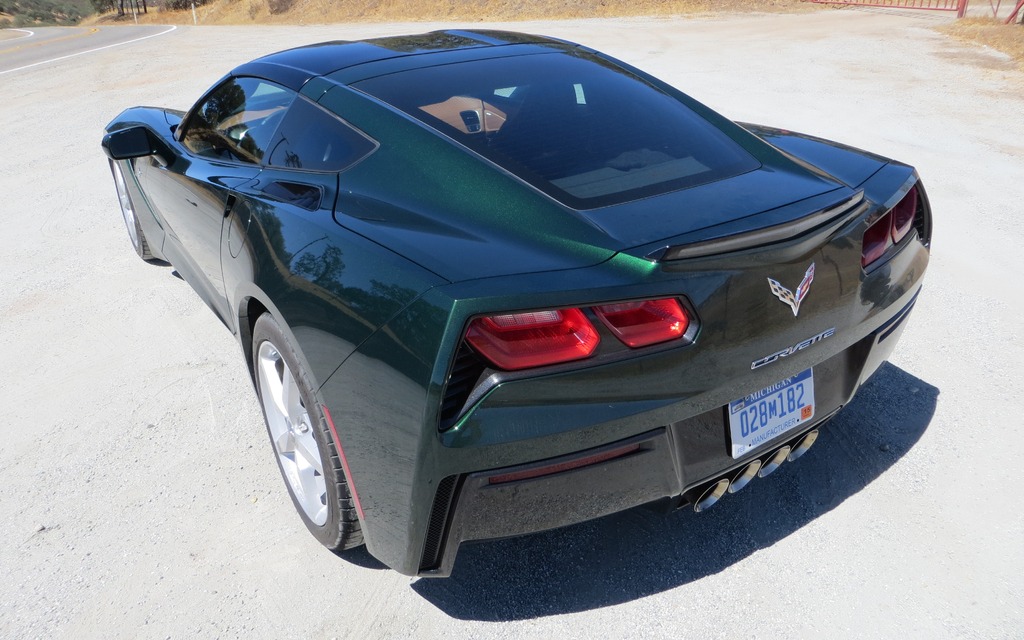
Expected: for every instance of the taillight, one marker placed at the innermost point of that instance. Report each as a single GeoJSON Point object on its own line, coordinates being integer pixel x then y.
{"type": "Point", "coordinates": [876, 240]}
{"type": "Point", "coordinates": [639, 324]}
{"type": "Point", "coordinates": [889, 229]}
{"type": "Point", "coordinates": [515, 341]}
{"type": "Point", "coordinates": [533, 339]}
{"type": "Point", "coordinates": [903, 215]}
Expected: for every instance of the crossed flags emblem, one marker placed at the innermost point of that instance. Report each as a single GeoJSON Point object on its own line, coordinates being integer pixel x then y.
{"type": "Point", "coordinates": [790, 298]}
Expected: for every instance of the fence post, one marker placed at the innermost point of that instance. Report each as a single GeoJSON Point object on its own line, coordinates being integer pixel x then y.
{"type": "Point", "coordinates": [1013, 14]}
{"type": "Point", "coordinates": [961, 8]}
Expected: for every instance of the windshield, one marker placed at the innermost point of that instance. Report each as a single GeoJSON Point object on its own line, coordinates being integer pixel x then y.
{"type": "Point", "coordinates": [576, 127]}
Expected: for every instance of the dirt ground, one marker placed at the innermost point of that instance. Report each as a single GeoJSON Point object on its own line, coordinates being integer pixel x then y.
{"type": "Point", "coordinates": [139, 498]}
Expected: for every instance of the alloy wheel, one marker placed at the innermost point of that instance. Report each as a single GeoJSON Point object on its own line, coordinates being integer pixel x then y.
{"type": "Point", "coordinates": [292, 433]}
{"type": "Point", "coordinates": [127, 210]}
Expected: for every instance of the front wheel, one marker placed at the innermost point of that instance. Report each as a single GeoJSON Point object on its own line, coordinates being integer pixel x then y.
{"type": "Point", "coordinates": [305, 450]}
{"type": "Point", "coordinates": [131, 221]}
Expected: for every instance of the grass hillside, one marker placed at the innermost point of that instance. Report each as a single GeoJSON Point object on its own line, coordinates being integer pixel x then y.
{"type": "Point", "coordinates": [16, 13]}
{"type": "Point", "coordinates": [21, 13]}
{"type": "Point", "coordinates": [332, 11]}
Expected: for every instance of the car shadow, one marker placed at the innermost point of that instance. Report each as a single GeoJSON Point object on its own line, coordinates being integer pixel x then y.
{"type": "Point", "coordinates": [642, 551]}
{"type": "Point", "coordinates": [361, 558]}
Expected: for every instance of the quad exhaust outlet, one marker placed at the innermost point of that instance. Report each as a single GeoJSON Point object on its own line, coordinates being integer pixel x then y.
{"type": "Point", "coordinates": [774, 462]}
{"type": "Point", "coordinates": [755, 468]}
{"type": "Point", "coordinates": [711, 495]}
{"type": "Point", "coordinates": [802, 446]}
{"type": "Point", "coordinates": [744, 476]}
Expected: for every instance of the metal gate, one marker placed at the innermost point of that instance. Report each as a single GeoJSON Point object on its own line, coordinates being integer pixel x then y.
{"type": "Point", "coordinates": [960, 6]}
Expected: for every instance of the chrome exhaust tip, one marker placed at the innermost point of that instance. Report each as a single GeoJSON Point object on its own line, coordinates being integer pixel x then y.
{"type": "Point", "coordinates": [773, 463]}
{"type": "Point", "coordinates": [802, 446]}
{"type": "Point", "coordinates": [711, 495]}
{"type": "Point", "coordinates": [747, 474]}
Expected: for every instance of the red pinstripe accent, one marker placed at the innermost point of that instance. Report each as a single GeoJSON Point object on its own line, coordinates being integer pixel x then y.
{"type": "Point", "coordinates": [344, 462]}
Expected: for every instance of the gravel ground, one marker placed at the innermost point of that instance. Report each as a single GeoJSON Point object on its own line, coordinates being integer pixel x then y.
{"type": "Point", "coordinates": [139, 498]}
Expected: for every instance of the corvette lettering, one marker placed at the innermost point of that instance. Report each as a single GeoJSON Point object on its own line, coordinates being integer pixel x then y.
{"type": "Point", "coordinates": [828, 333]}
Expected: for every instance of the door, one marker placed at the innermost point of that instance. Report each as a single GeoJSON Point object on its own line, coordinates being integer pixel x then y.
{"type": "Point", "coordinates": [223, 142]}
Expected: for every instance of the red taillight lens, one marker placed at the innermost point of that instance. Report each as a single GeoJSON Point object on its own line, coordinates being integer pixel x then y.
{"type": "Point", "coordinates": [533, 339]}
{"type": "Point", "coordinates": [903, 215]}
{"type": "Point", "coordinates": [876, 240]}
{"type": "Point", "coordinates": [889, 229]}
{"type": "Point", "coordinates": [639, 324]}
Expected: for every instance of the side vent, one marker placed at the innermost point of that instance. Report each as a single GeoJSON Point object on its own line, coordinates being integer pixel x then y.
{"type": "Point", "coordinates": [465, 373]}
{"type": "Point", "coordinates": [438, 523]}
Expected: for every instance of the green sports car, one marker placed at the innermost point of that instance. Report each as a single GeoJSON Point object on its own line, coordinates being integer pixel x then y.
{"type": "Point", "coordinates": [489, 283]}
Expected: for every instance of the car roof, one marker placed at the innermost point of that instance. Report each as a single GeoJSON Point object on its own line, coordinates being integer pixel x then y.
{"type": "Point", "coordinates": [293, 68]}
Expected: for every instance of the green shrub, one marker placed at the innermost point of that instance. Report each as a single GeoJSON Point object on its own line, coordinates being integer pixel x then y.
{"type": "Point", "coordinates": [178, 5]}
{"type": "Point", "coordinates": [279, 6]}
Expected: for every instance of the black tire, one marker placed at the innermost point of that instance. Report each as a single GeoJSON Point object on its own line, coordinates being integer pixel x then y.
{"type": "Point", "coordinates": [341, 529]}
{"type": "Point", "coordinates": [128, 213]}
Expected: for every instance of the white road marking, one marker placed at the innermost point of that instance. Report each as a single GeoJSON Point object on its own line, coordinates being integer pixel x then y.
{"type": "Point", "coordinates": [26, 31]}
{"type": "Point", "coordinates": [82, 53]}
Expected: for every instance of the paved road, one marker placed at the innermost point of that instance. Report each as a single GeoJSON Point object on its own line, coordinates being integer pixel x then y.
{"type": "Point", "coordinates": [14, 34]}
{"type": "Point", "coordinates": [139, 497]}
{"type": "Point", "coordinates": [22, 49]}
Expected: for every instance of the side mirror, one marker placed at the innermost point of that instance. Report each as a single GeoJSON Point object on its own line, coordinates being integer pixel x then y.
{"type": "Point", "coordinates": [134, 142]}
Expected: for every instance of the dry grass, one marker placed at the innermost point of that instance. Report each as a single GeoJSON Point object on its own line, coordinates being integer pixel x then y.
{"type": "Point", "coordinates": [332, 11]}
{"type": "Point", "coordinates": [1008, 38]}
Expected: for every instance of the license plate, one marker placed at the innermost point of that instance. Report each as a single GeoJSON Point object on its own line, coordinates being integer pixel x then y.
{"type": "Point", "coordinates": [771, 412]}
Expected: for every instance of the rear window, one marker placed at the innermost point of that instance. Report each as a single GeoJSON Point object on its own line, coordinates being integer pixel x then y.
{"type": "Point", "coordinates": [576, 127]}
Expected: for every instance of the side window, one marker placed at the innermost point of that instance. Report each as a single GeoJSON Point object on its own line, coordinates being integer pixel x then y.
{"type": "Point", "coordinates": [236, 121]}
{"type": "Point", "coordinates": [315, 140]}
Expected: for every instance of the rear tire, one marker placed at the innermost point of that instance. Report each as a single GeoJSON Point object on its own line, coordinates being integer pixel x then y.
{"type": "Point", "coordinates": [131, 220]}
{"type": "Point", "coordinates": [303, 446]}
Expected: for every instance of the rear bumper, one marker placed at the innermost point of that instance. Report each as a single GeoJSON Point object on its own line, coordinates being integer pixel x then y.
{"type": "Point", "coordinates": [677, 461]}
